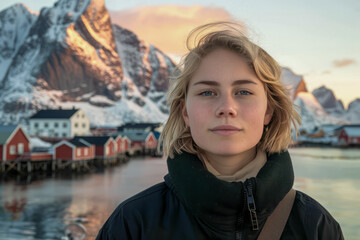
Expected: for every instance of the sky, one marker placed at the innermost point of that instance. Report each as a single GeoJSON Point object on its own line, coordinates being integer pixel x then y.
{"type": "Point", "coordinates": [317, 39]}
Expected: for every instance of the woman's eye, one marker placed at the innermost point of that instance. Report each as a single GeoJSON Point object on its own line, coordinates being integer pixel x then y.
{"type": "Point", "coordinates": [243, 92]}
{"type": "Point", "coordinates": [207, 93]}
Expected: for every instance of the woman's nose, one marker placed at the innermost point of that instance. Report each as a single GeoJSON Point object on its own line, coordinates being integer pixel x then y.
{"type": "Point", "coordinates": [227, 107]}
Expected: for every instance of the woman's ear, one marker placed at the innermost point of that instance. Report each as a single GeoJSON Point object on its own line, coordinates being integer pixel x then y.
{"type": "Point", "coordinates": [268, 114]}
{"type": "Point", "coordinates": [184, 113]}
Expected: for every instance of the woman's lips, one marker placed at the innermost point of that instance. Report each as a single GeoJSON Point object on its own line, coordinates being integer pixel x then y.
{"type": "Point", "coordinates": [225, 130]}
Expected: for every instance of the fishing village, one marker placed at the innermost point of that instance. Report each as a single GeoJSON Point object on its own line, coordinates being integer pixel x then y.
{"type": "Point", "coordinates": [59, 140]}
{"type": "Point", "coordinates": [62, 140]}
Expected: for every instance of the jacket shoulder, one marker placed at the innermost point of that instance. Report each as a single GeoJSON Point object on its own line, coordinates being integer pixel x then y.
{"type": "Point", "coordinates": [150, 212]}
{"type": "Point", "coordinates": [311, 220]}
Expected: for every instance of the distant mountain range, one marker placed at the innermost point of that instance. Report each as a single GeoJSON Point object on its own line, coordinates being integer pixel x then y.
{"type": "Point", "coordinates": [71, 55]}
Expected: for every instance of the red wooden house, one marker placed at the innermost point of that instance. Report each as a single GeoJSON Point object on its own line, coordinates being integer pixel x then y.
{"type": "Point", "coordinates": [14, 142]}
{"type": "Point", "coordinates": [126, 144]}
{"type": "Point", "coordinates": [122, 144]}
{"type": "Point", "coordinates": [104, 145]}
{"type": "Point", "coordinates": [74, 149]}
{"type": "Point", "coordinates": [142, 142]}
{"type": "Point", "coordinates": [349, 134]}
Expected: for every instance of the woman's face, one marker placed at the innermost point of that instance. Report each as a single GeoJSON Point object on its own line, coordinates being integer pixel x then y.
{"type": "Point", "coordinates": [226, 106]}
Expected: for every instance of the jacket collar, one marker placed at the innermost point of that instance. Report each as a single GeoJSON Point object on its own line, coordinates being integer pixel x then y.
{"type": "Point", "coordinates": [219, 202]}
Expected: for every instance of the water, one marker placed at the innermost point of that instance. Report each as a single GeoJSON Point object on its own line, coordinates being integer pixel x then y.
{"type": "Point", "coordinates": [42, 209]}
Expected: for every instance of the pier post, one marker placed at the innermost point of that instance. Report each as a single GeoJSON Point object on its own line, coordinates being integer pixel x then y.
{"type": "Point", "coordinates": [18, 166]}
{"type": "Point", "coordinates": [29, 166]}
{"type": "Point", "coordinates": [53, 165]}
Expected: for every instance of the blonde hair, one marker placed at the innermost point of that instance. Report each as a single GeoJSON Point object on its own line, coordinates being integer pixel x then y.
{"type": "Point", "coordinates": [176, 136]}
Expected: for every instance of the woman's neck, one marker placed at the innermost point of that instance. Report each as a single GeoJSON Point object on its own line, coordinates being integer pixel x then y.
{"type": "Point", "coordinates": [229, 165]}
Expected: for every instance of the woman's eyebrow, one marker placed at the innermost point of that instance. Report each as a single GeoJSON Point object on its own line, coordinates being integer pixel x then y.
{"type": "Point", "coordinates": [245, 81]}
{"type": "Point", "coordinates": [214, 83]}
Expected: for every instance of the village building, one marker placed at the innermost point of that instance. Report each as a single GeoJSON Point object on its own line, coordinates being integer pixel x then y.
{"type": "Point", "coordinates": [59, 123]}
{"type": "Point", "coordinates": [348, 135]}
{"type": "Point", "coordinates": [104, 145]}
{"type": "Point", "coordinates": [103, 131]}
{"type": "Point", "coordinates": [14, 142]}
{"type": "Point", "coordinates": [74, 149]}
{"type": "Point", "coordinates": [140, 127]}
{"type": "Point", "coordinates": [122, 144]}
{"type": "Point", "coordinates": [144, 143]}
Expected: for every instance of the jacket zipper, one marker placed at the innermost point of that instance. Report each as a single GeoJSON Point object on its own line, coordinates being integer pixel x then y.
{"type": "Point", "coordinates": [251, 205]}
{"type": "Point", "coordinates": [248, 198]}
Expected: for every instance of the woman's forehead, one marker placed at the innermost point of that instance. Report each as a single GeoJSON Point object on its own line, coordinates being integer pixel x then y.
{"type": "Point", "coordinates": [223, 66]}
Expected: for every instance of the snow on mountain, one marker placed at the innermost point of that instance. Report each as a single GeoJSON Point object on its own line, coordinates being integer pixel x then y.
{"type": "Point", "coordinates": [70, 55]}
{"type": "Point", "coordinates": [15, 23]}
{"type": "Point", "coordinates": [310, 106]}
{"type": "Point", "coordinates": [293, 82]}
{"type": "Point", "coordinates": [335, 108]}
{"type": "Point", "coordinates": [329, 102]}
{"type": "Point", "coordinates": [312, 113]}
{"type": "Point", "coordinates": [353, 112]}
{"type": "Point", "coordinates": [73, 56]}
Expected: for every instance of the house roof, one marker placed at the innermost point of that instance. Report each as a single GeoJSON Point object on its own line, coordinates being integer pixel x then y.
{"type": "Point", "coordinates": [96, 140]}
{"type": "Point", "coordinates": [137, 136]}
{"type": "Point", "coordinates": [78, 142]}
{"type": "Point", "coordinates": [352, 131]}
{"type": "Point", "coordinates": [54, 113]}
{"type": "Point", "coordinates": [5, 132]}
{"type": "Point", "coordinates": [152, 126]}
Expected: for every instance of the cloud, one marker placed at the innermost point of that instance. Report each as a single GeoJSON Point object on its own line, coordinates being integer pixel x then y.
{"type": "Point", "coordinates": [167, 26]}
{"type": "Point", "coordinates": [344, 62]}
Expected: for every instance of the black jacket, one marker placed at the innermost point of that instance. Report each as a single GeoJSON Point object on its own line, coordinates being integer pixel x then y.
{"type": "Point", "coordinates": [193, 204]}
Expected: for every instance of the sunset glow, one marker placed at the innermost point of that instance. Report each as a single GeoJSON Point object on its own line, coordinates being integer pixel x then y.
{"type": "Point", "coordinates": [173, 23]}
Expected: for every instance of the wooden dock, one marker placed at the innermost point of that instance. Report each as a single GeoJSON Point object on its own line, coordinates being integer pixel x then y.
{"type": "Point", "coordinates": [28, 164]}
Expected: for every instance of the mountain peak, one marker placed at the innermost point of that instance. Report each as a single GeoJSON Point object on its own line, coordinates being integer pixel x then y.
{"type": "Point", "coordinates": [71, 56]}
{"type": "Point", "coordinates": [293, 82]}
{"type": "Point", "coordinates": [326, 97]}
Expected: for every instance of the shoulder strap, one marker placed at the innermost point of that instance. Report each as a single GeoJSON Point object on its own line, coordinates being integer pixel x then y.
{"type": "Point", "coordinates": [276, 222]}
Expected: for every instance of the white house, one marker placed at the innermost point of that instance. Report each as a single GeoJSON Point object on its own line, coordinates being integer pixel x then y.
{"type": "Point", "coordinates": [59, 123]}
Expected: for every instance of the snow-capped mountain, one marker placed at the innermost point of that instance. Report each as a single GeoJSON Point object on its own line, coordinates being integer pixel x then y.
{"type": "Point", "coordinates": [293, 82]}
{"type": "Point", "coordinates": [15, 23]}
{"type": "Point", "coordinates": [353, 111]}
{"type": "Point", "coordinates": [313, 114]}
{"type": "Point", "coordinates": [71, 55]}
{"type": "Point", "coordinates": [335, 107]}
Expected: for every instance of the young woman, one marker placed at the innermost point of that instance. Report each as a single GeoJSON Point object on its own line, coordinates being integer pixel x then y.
{"type": "Point", "coordinates": [226, 138]}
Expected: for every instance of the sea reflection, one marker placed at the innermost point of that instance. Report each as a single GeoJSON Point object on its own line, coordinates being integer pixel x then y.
{"type": "Point", "coordinates": [334, 182]}
{"type": "Point", "coordinates": [43, 208]}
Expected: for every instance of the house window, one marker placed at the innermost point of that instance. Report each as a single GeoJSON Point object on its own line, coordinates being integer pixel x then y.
{"type": "Point", "coordinates": [20, 148]}
{"type": "Point", "coordinates": [86, 151]}
{"type": "Point", "coordinates": [83, 116]}
{"type": "Point", "coordinates": [84, 125]}
{"type": "Point", "coordinates": [56, 134]}
{"type": "Point", "coordinates": [36, 125]}
{"type": "Point", "coordinates": [107, 150]}
{"type": "Point", "coordinates": [78, 152]}
{"type": "Point", "coordinates": [64, 134]}
{"type": "Point", "coordinates": [76, 125]}
{"type": "Point", "coordinates": [46, 125]}
{"type": "Point", "coordinates": [56, 124]}
{"type": "Point", "coordinates": [64, 124]}
{"type": "Point", "coordinates": [12, 149]}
